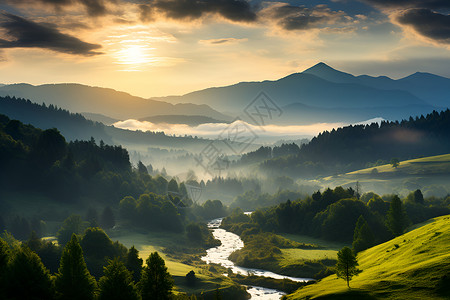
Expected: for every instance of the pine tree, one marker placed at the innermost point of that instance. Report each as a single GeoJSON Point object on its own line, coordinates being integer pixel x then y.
{"type": "Point", "coordinates": [418, 197]}
{"type": "Point", "coordinates": [73, 280]}
{"type": "Point", "coordinates": [396, 219]}
{"type": "Point", "coordinates": [363, 237]}
{"type": "Point", "coordinates": [117, 283]}
{"type": "Point", "coordinates": [27, 277]}
{"type": "Point", "coordinates": [346, 265]}
{"type": "Point", "coordinates": [134, 263]}
{"type": "Point", "coordinates": [4, 257]}
{"type": "Point", "coordinates": [156, 282]}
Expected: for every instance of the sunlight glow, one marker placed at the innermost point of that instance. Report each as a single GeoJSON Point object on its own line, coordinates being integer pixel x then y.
{"type": "Point", "coordinates": [134, 55]}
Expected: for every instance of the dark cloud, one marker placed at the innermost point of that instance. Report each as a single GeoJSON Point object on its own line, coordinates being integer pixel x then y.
{"type": "Point", "coordinates": [432, 4]}
{"type": "Point", "coordinates": [234, 10]}
{"type": "Point", "coordinates": [93, 7]}
{"type": "Point", "coordinates": [429, 18]}
{"type": "Point", "coordinates": [22, 33]}
{"type": "Point", "coordinates": [291, 17]}
{"type": "Point", "coordinates": [427, 23]}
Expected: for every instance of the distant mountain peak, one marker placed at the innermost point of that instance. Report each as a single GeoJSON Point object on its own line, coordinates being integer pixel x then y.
{"type": "Point", "coordinates": [326, 72]}
{"type": "Point", "coordinates": [319, 67]}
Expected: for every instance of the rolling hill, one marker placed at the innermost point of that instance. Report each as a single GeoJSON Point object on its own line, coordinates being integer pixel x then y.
{"type": "Point", "coordinates": [415, 265]}
{"type": "Point", "coordinates": [430, 174]}
{"type": "Point", "coordinates": [118, 105]}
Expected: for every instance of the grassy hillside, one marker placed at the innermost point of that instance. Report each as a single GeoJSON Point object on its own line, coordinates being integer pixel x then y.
{"type": "Point", "coordinates": [426, 165]}
{"type": "Point", "coordinates": [168, 246]}
{"type": "Point", "coordinates": [415, 265]}
{"type": "Point", "coordinates": [431, 174]}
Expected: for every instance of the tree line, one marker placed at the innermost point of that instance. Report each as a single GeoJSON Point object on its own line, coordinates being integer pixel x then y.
{"type": "Point", "coordinates": [356, 146]}
{"type": "Point", "coordinates": [338, 215]}
{"type": "Point", "coordinates": [23, 275]}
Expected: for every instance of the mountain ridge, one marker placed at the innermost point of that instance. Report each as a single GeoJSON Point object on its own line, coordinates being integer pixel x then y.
{"type": "Point", "coordinates": [106, 101]}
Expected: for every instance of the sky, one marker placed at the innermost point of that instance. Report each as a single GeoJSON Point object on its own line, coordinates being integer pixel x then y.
{"type": "Point", "coordinates": [172, 47]}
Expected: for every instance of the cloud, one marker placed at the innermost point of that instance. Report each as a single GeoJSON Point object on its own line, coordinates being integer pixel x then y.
{"type": "Point", "coordinates": [234, 10]}
{"type": "Point", "coordinates": [222, 41]}
{"type": "Point", "coordinates": [213, 130]}
{"type": "Point", "coordinates": [431, 4]}
{"type": "Point", "coordinates": [24, 33]}
{"type": "Point", "coordinates": [93, 7]}
{"type": "Point", "coordinates": [428, 18]}
{"type": "Point", "coordinates": [427, 23]}
{"type": "Point", "coordinates": [291, 17]}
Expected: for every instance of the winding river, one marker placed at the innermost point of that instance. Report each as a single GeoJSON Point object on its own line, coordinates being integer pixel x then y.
{"type": "Point", "coordinates": [231, 242]}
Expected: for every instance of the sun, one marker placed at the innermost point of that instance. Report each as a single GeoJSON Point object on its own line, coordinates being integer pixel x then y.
{"type": "Point", "coordinates": [134, 56]}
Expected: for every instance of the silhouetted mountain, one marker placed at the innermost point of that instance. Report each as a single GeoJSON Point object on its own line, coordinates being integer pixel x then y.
{"type": "Point", "coordinates": [344, 97]}
{"type": "Point", "coordinates": [431, 88]}
{"type": "Point", "coordinates": [76, 127]}
{"type": "Point", "coordinates": [326, 72]}
{"type": "Point", "coordinates": [177, 119]}
{"type": "Point", "coordinates": [120, 105]}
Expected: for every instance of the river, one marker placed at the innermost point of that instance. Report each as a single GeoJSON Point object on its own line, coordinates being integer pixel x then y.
{"type": "Point", "coordinates": [231, 242]}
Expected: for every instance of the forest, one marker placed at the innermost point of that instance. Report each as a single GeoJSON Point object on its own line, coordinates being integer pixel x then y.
{"type": "Point", "coordinates": [358, 146]}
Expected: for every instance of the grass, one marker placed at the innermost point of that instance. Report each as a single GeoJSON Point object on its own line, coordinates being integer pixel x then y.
{"type": "Point", "coordinates": [426, 165]}
{"type": "Point", "coordinates": [415, 265]}
{"type": "Point", "coordinates": [291, 256]}
{"type": "Point", "coordinates": [179, 264]}
{"type": "Point", "coordinates": [320, 243]}
{"type": "Point", "coordinates": [430, 174]}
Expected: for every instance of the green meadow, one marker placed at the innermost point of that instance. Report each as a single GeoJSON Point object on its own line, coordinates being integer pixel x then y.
{"type": "Point", "coordinates": [415, 265]}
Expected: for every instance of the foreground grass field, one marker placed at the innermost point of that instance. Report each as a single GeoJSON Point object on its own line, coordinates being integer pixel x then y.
{"type": "Point", "coordinates": [415, 265]}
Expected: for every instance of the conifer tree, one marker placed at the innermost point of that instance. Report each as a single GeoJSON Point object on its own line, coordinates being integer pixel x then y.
{"type": "Point", "coordinates": [4, 256]}
{"type": "Point", "coordinates": [363, 237]}
{"type": "Point", "coordinates": [134, 263]}
{"type": "Point", "coordinates": [396, 219]}
{"type": "Point", "coordinates": [73, 280]}
{"type": "Point", "coordinates": [27, 277]}
{"type": "Point", "coordinates": [156, 282]}
{"type": "Point", "coordinates": [117, 283]}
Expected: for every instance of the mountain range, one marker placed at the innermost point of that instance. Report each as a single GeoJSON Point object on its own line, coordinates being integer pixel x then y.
{"type": "Point", "coordinates": [107, 102]}
{"type": "Point", "coordinates": [319, 94]}
{"type": "Point", "coordinates": [323, 94]}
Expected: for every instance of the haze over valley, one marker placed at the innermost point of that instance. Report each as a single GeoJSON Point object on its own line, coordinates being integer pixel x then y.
{"type": "Point", "coordinates": [224, 149]}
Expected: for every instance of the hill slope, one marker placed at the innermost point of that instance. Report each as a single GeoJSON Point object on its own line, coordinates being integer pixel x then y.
{"type": "Point", "coordinates": [431, 174]}
{"type": "Point", "coordinates": [81, 98]}
{"type": "Point", "coordinates": [415, 265]}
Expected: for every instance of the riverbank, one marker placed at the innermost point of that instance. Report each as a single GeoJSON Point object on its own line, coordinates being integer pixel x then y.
{"type": "Point", "coordinates": [181, 257]}
{"type": "Point", "coordinates": [262, 284]}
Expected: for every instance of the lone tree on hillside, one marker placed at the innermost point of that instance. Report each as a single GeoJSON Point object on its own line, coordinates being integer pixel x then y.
{"type": "Point", "coordinates": [156, 282]}
{"type": "Point", "coordinates": [396, 219]}
{"type": "Point", "coordinates": [395, 162]}
{"type": "Point", "coordinates": [346, 265]}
